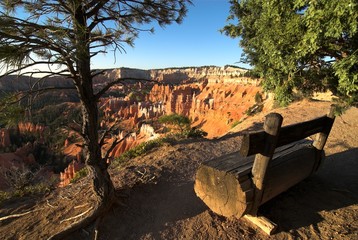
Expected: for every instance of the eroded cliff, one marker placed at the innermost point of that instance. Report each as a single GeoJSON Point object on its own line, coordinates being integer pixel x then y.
{"type": "Point", "coordinates": [214, 98]}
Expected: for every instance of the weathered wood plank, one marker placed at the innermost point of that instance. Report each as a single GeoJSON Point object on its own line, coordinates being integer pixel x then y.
{"type": "Point", "coordinates": [234, 163]}
{"type": "Point", "coordinates": [272, 127]}
{"type": "Point", "coordinates": [229, 192]}
{"type": "Point", "coordinates": [229, 162]}
{"type": "Point", "coordinates": [288, 170]}
{"type": "Point", "coordinates": [222, 192]}
{"type": "Point", "coordinates": [321, 138]}
{"type": "Point", "coordinates": [263, 223]}
{"type": "Point", "coordinates": [253, 143]}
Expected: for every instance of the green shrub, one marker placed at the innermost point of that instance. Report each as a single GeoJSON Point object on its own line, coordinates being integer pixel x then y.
{"type": "Point", "coordinates": [145, 147]}
{"type": "Point", "coordinates": [258, 98]}
{"type": "Point", "coordinates": [254, 109]}
{"type": "Point", "coordinates": [139, 150]}
{"type": "Point", "coordinates": [180, 121]}
{"type": "Point", "coordinates": [234, 124]}
{"type": "Point", "coordinates": [40, 188]}
{"type": "Point", "coordinates": [194, 133]}
{"type": "Point", "coordinates": [4, 196]}
{"type": "Point", "coordinates": [80, 174]}
{"type": "Point", "coordinates": [283, 95]}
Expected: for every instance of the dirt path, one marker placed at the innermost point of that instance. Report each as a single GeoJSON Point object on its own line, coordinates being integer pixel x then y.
{"type": "Point", "coordinates": [160, 203]}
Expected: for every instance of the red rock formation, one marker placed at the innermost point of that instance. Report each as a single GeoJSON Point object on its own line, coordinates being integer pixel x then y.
{"type": "Point", "coordinates": [146, 132]}
{"type": "Point", "coordinates": [68, 174]}
{"type": "Point", "coordinates": [4, 138]}
{"type": "Point", "coordinates": [218, 105]}
{"type": "Point", "coordinates": [24, 127]}
{"type": "Point", "coordinates": [128, 143]}
{"type": "Point", "coordinates": [217, 98]}
{"type": "Point", "coordinates": [211, 106]}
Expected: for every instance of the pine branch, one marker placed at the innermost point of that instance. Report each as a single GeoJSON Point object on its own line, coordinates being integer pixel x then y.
{"type": "Point", "coordinates": [102, 139]}
{"type": "Point", "coordinates": [114, 144]}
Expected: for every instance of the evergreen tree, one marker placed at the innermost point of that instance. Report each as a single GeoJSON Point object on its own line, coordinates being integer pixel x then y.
{"type": "Point", "coordinates": [70, 33]}
{"type": "Point", "coordinates": [303, 44]}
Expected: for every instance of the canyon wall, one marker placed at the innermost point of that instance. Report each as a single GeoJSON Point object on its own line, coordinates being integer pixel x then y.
{"type": "Point", "coordinates": [210, 74]}
{"type": "Point", "coordinates": [209, 95]}
{"type": "Point", "coordinates": [212, 107]}
{"type": "Point", "coordinates": [212, 97]}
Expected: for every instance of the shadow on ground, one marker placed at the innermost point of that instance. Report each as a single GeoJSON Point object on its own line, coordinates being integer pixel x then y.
{"type": "Point", "coordinates": [150, 208]}
{"type": "Point", "coordinates": [333, 187]}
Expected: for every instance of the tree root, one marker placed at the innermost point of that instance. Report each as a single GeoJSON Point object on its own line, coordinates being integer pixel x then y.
{"type": "Point", "coordinates": [96, 225]}
{"type": "Point", "coordinates": [77, 216]}
{"type": "Point", "coordinates": [17, 215]}
{"type": "Point", "coordinates": [104, 193]}
{"type": "Point", "coordinates": [98, 212]}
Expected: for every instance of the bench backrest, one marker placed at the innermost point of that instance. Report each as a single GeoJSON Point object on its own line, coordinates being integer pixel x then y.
{"type": "Point", "coordinates": [254, 143]}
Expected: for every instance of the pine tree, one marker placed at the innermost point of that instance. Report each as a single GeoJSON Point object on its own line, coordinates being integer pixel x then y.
{"type": "Point", "coordinates": [69, 33]}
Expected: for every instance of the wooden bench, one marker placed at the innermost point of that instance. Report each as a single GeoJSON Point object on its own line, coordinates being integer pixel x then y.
{"type": "Point", "coordinates": [268, 163]}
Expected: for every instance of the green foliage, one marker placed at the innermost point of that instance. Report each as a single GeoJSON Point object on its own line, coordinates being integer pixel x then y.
{"type": "Point", "coordinates": [140, 150]}
{"type": "Point", "coordinates": [258, 98]}
{"type": "Point", "coordinates": [194, 133]}
{"type": "Point", "coordinates": [347, 72]}
{"type": "Point", "coordinates": [11, 112]}
{"type": "Point", "coordinates": [35, 189]}
{"type": "Point", "coordinates": [54, 31]}
{"type": "Point", "coordinates": [235, 123]}
{"type": "Point", "coordinates": [180, 121]}
{"type": "Point", "coordinates": [339, 109]}
{"type": "Point", "coordinates": [301, 44]}
{"type": "Point", "coordinates": [57, 115]}
{"type": "Point", "coordinates": [256, 108]}
{"type": "Point", "coordinates": [283, 95]}
{"type": "Point", "coordinates": [145, 147]}
{"type": "Point", "coordinates": [57, 118]}
{"type": "Point", "coordinates": [183, 124]}
{"type": "Point", "coordinates": [79, 175]}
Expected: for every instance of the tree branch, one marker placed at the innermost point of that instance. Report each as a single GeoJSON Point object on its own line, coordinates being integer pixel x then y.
{"type": "Point", "coordinates": [114, 144]}
{"type": "Point", "coordinates": [102, 139]}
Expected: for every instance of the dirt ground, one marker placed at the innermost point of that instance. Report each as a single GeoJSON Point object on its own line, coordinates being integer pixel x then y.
{"type": "Point", "coordinates": [158, 200]}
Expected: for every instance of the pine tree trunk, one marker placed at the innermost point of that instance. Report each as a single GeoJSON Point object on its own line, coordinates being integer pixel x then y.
{"type": "Point", "coordinates": [102, 185]}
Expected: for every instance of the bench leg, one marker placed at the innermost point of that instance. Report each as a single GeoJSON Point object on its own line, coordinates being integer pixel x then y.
{"type": "Point", "coordinates": [265, 224]}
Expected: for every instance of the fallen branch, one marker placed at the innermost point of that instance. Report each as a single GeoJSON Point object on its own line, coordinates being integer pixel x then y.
{"type": "Point", "coordinates": [50, 205]}
{"type": "Point", "coordinates": [96, 226]}
{"type": "Point", "coordinates": [77, 216]}
{"type": "Point", "coordinates": [16, 215]}
{"type": "Point", "coordinates": [79, 206]}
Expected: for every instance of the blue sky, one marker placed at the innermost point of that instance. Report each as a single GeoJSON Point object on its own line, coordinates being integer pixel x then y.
{"type": "Point", "coordinates": [195, 42]}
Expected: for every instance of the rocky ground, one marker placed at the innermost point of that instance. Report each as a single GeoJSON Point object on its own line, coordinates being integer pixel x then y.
{"type": "Point", "coordinates": [158, 200]}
